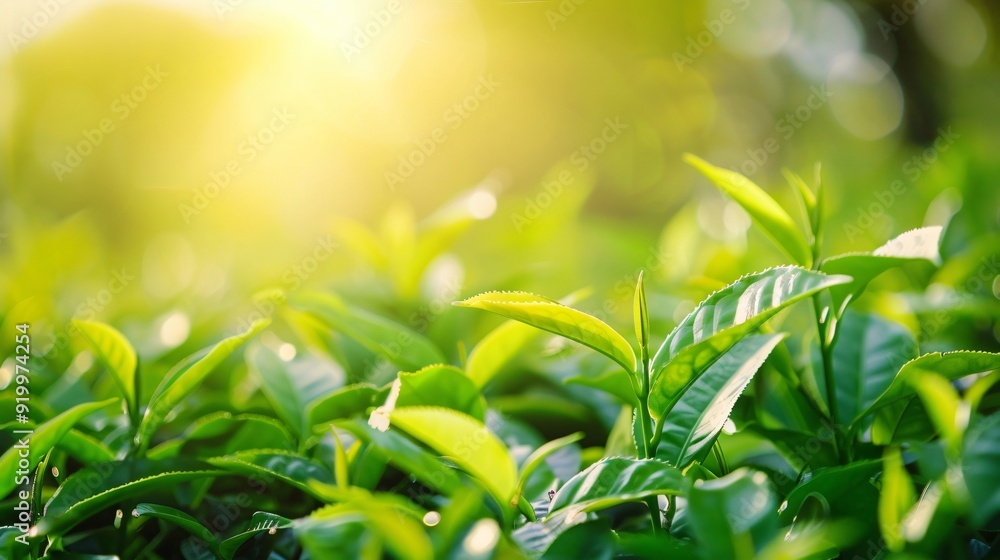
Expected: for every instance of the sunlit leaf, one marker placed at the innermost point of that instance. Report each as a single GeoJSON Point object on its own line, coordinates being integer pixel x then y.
{"type": "Point", "coordinates": [557, 318]}
{"type": "Point", "coordinates": [768, 214]}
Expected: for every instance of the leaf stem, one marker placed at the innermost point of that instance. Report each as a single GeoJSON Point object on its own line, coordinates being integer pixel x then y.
{"type": "Point", "coordinates": [822, 328]}
{"type": "Point", "coordinates": [653, 504]}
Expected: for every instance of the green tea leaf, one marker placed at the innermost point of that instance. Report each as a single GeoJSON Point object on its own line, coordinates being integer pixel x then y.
{"type": "Point", "coordinates": [950, 365]}
{"type": "Point", "coordinates": [768, 214]}
{"type": "Point", "coordinates": [441, 385]}
{"type": "Point", "coordinates": [261, 522]}
{"type": "Point", "coordinates": [287, 467]}
{"type": "Point", "coordinates": [497, 349]}
{"type": "Point", "coordinates": [96, 487]}
{"type": "Point", "coordinates": [695, 421]}
{"type": "Point", "coordinates": [614, 481]}
{"type": "Point", "coordinates": [980, 457]}
{"type": "Point", "coordinates": [407, 456]}
{"type": "Point", "coordinates": [395, 526]}
{"type": "Point", "coordinates": [178, 518]}
{"type": "Point", "coordinates": [465, 441]}
{"type": "Point", "coordinates": [867, 354]}
{"type": "Point", "coordinates": [915, 245]}
{"type": "Point", "coordinates": [847, 491]}
{"type": "Point", "coordinates": [397, 343]}
{"type": "Point", "coordinates": [739, 308]}
{"type": "Point", "coordinates": [557, 318]}
{"type": "Point", "coordinates": [538, 456]}
{"type": "Point", "coordinates": [42, 439]}
{"type": "Point", "coordinates": [343, 403]}
{"type": "Point", "coordinates": [640, 316]}
{"type": "Point", "coordinates": [733, 516]}
{"type": "Point", "coordinates": [186, 377]}
{"type": "Point", "coordinates": [895, 499]}
{"type": "Point", "coordinates": [116, 355]}
{"type": "Point", "coordinates": [292, 386]}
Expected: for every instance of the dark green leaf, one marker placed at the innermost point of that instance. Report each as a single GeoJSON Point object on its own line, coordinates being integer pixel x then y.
{"type": "Point", "coordinates": [733, 516]}
{"type": "Point", "coordinates": [617, 480]}
{"type": "Point", "coordinates": [695, 421]}
{"type": "Point", "coordinates": [41, 440]}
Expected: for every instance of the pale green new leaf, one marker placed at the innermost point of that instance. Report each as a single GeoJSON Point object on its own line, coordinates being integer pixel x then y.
{"type": "Point", "coordinates": [465, 441]}
{"type": "Point", "coordinates": [115, 354]}
{"type": "Point", "coordinates": [768, 214]}
{"type": "Point", "coordinates": [557, 318]}
{"type": "Point", "coordinates": [895, 499]}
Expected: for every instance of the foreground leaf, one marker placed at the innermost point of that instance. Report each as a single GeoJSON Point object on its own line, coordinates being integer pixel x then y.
{"type": "Point", "coordinates": [96, 487]}
{"type": "Point", "coordinates": [44, 437]}
{"type": "Point", "coordinates": [950, 365]}
{"type": "Point", "coordinates": [323, 534]}
{"type": "Point", "coordinates": [695, 420]}
{"type": "Point", "coordinates": [617, 480]}
{"type": "Point", "coordinates": [291, 469]}
{"type": "Point", "coordinates": [408, 457]}
{"type": "Point", "coordinates": [980, 458]}
{"type": "Point", "coordinates": [739, 308]}
{"type": "Point", "coordinates": [464, 440]}
{"type": "Point", "coordinates": [867, 354]}
{"type": "Point", "coordinates": [733, 516]}
{"type": "Point", "coordinates": [444, 386]}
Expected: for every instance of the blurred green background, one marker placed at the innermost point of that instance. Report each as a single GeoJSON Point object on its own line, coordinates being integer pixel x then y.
{"type": "Point", "coordinates": [163, 162]}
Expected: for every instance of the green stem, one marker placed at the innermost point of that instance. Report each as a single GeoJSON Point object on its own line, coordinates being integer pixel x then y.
{"type": "Point", "coordinates": [654, 513]}
{"type": "Point", "coordinates": [671, 510]}
{"type": "Point", "coordinates": [645, 420]}
{"type": "Point", "coordinates": [822, 328]}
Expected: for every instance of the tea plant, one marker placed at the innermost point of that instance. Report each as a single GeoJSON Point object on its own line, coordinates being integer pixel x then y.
{"type": "Point", "coordinates": [734, 439]}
